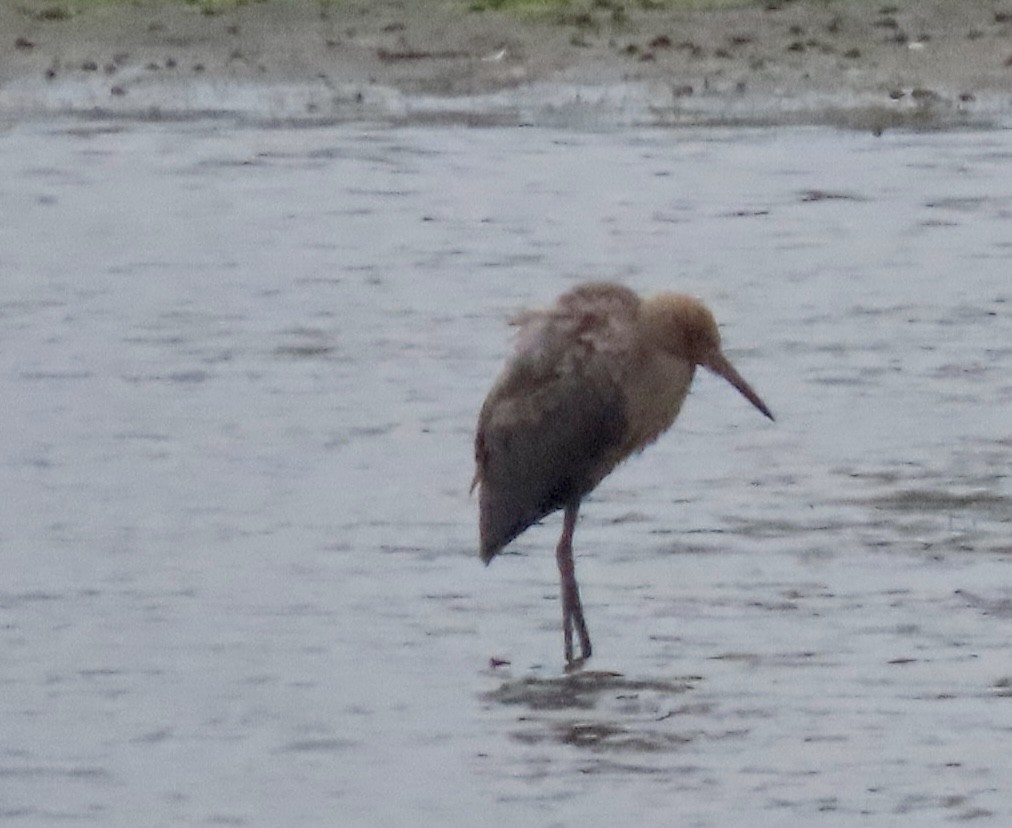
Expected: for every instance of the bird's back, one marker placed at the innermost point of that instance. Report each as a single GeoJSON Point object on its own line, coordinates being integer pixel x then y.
{"type": "Point", "coordinates": [554, 423]}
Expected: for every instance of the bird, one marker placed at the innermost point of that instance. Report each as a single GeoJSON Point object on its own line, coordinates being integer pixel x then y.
{"type": "Point", "coordinates": [593, 380]}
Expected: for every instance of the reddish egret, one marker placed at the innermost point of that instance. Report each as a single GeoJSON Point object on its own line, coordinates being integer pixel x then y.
{"type": "Point", "coordinates": [594, 379]}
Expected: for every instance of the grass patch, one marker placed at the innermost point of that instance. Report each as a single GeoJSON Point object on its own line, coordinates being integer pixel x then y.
{"type": "Point", "coordinates": [211, 7]}
{"type": "Point", "coordinates": [556, 7]}
{"type": "Point", "coordinates": [523, 6]}
{"type": "Point", "coordinates": [67, 9]}
{"type": "Point", "coordinates": [565, 11]}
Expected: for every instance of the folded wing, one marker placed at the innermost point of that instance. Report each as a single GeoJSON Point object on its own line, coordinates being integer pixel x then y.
{"type": "Point", "coordinates": [552, 426]}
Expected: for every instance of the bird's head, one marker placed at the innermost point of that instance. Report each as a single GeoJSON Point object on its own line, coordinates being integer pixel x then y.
{"type": "Point", "coordinates": [684, 327]}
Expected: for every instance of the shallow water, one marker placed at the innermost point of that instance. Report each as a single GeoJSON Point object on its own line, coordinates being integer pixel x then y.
{"type": "Point", "coordinates": [241, 369]}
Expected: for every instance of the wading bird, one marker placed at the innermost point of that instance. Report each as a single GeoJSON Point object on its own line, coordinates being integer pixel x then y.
{"type": "Point", "coordinates": [594, 379]}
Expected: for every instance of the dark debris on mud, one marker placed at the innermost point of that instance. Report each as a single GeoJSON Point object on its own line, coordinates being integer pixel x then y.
{"type": "Point", "coordinates": [603, 712]}
{"type": "Point", "coordinates": [605, 736]}
{"type": "Point", "coordinates": [931, 500]}
{"type": "Point", "coordinates": [583, 690]}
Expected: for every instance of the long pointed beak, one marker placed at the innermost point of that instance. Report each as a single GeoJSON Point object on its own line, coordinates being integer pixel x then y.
{"type": "Point", "coordinates": [719, 364]}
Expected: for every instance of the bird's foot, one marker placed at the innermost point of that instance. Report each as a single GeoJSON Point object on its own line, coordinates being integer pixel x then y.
{"type": "Point", "coordinates": [574, 665]}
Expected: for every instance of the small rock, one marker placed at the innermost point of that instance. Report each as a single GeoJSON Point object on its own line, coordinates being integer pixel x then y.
{"type": "Point", "coordinates": [23, 43]}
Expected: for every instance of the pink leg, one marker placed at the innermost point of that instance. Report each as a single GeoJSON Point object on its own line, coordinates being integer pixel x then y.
{"type": "Point", "coordinates": [572, 609]}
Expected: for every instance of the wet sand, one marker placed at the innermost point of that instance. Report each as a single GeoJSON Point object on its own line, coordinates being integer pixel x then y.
{"type": "Point", "coordinates": [849, 62]}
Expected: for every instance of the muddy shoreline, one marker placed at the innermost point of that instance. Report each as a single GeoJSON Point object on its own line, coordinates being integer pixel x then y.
{"type": "Point", "coordinates": [843, 62]}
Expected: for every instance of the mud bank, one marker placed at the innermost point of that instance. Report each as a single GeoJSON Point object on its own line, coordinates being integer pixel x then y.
{"type": "Point", "coordinates": [849, 63]}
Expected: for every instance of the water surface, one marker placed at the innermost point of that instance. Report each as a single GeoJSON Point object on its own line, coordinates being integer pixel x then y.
{"type": "Point", "coordinates": [241, 368]}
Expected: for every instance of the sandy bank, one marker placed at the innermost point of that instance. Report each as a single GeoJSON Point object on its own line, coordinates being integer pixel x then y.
{"type": "Point", "coordinates": [850, 62]}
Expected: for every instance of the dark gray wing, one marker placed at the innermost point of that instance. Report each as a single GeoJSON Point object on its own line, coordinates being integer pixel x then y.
{"type": "Point", "coordinates": [540, 447]}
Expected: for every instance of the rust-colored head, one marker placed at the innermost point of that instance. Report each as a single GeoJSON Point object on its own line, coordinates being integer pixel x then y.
{"type": "Point", "coordinates": [684, 327]}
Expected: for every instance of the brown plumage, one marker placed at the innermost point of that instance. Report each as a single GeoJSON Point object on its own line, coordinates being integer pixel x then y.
{"type": "Point", "coordinates": [594, 379]}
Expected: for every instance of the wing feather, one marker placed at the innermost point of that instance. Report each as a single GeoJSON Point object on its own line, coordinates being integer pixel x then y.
{"type": "Point", "coordinates": [552, 426]}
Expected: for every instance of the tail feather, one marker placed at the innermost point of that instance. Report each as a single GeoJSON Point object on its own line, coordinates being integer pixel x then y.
{"type": "Point", "coordinates": [506, 512]}
{"type": "Point", "coordinates": [502, 518]}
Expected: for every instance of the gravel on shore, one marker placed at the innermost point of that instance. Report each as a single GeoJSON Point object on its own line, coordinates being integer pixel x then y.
{"type": "Point", "coordinates": [907, 63]}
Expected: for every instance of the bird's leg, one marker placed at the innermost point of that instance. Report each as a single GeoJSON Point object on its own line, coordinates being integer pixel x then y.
{"type": "Point", "coordinates": [572, 609]}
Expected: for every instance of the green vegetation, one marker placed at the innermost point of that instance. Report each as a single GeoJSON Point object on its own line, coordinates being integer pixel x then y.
{"type": "Point", "coordinates": [66, 9]}
{"type": "Point", "coordinates": [565, 11]}
{"type": "Point", "coordinates": [576, 7]}
{"type": "Point", "coordinates": [591, 18]}
{"type": "Point", "coordinates": [216, 6]}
